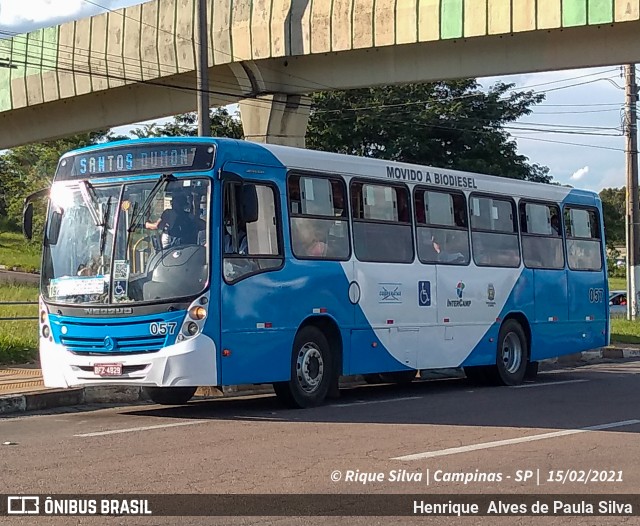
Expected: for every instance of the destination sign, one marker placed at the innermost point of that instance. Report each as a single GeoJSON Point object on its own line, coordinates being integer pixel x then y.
{"type": "Point", "coordinates": [144, 158]}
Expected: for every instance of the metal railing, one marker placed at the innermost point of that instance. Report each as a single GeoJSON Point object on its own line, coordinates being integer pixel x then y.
{"type": "Point", "coordinates": [18, 318]}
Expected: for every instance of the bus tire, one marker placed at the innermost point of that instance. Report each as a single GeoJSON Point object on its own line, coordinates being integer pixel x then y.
{"type": "Point", "coordinates": [532, 371]}
{"type": "Point", "coordinates": [512, 354]}
{"type": "Point", "coordinates": [170, 395]}
{"type": "Point", "coordinates": [312, 370]}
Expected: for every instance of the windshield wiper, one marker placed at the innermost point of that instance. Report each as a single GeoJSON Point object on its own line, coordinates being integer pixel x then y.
{"type": "Point", "coordinates": [105, 226]}
{"type": "Point", "coordinates": [90, 200]}
{"type": "Point", "coordinates": [139, 212]}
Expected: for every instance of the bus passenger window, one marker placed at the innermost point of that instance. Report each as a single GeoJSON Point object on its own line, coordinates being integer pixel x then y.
{"type": "Point", "coordinates": [441, 223]}
{"type": "Point", "coordinates": [541, 235]}
{"type": "Point", "coordinates": [494, 232]}
{"type": "Point", "coordinates": [381, 222]}
{"type": "Point", "coordinates": [319, 226]}
{"type": "Point", "coordinates": [584, 248]}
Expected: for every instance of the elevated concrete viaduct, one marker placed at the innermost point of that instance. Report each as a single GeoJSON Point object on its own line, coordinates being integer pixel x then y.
{"type": "Point", "coordinates": [138, 63]}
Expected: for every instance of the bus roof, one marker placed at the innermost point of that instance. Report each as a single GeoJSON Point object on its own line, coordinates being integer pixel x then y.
{"type": "Point", "coordinates": [355, 166]}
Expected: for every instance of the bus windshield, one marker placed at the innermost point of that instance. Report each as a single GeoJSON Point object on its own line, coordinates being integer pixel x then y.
{"type": "Point", "coordinates": [126, 243]}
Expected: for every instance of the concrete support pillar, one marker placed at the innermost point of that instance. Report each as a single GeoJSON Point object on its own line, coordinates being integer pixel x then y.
{"type": "Point", "coordinates": [276, 119]}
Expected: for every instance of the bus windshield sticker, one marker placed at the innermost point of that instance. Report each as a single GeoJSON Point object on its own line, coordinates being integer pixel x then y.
{"type": "Point", "coordinates": [308, 189]}
{"type": "Point", "coordinates": [120, 288]}
{"type": "Point", "coordinates": [121, 269]}
{"type": "Point", "coordinates": [369, 197]}
{"type": "Point", "coordinates": [72, 286]}
{"type": "Point", "coordinates": [475, 206]}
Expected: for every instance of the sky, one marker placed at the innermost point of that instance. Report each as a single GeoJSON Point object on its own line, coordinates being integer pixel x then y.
{"type": "Point", "coordinates": [586, 105]}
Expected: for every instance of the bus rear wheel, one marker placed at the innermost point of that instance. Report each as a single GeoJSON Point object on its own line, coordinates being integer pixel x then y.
{"type": "Point", "coordinates": [512, 354]}
{"type": "Point", "coordinates": [170, 395]}
{"type": "Point", "coordinates": [312, 370]}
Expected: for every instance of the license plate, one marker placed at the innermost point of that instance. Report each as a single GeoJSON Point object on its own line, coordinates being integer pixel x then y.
{"type": "Point", "coordinates": [108, 369]}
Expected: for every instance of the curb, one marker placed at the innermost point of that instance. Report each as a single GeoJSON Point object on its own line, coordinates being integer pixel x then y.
{"type": "Point", "coordinates": [120, 394]}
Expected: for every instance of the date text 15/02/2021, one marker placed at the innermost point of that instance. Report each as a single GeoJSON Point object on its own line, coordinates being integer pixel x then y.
{"type": "Point", "coordinates": [534, 476]}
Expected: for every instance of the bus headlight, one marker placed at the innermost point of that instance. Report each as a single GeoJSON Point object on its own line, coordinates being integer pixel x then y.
{"type": "Point", "coordinates": [197, 313]}
{"type": "Point", "coordinates": [191, 328]}
{"type": "Point", "coordinates": [45, 331]}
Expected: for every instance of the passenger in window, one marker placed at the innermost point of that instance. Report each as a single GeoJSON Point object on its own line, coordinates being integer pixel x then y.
{"type": "Point", "coordinates": [555, 225]}
{"type": "Point", "coordinates": [307, 240]}
{"type": "Point", "coordinates": [243, 248]}
{"type": "Point", "coordinates": [445, 255]}
{"type": "Point", "coordinates": [177, 225]}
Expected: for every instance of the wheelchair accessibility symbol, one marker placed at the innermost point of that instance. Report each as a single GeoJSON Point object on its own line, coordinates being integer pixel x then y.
{"type": "Point", "coordinates": [424, 293]}
{"type": "Point", "coordinates": [120, 288]}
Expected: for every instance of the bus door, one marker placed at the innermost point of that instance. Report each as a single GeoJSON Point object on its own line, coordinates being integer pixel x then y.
{"type": "Point", "coordinates": [253, 346]}
{"type": "Point", "coordinates": [588, 302]}
{"type": "Point", "coordinates": [543, 254]}
{"type": "Point", "coordinates": [443, 248]}
{"type": "Point", "coordinates": [386, 318]}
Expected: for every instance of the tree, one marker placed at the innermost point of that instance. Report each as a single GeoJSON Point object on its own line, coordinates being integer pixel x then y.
{"type": "Point", "coordinates": [223, 124]}
{"type": "Point", "coordinates": [26, 169]}
{"type": "Point", "coordinates": [613, 209]}
{"type": "Point", "coordinates": [450, 124]}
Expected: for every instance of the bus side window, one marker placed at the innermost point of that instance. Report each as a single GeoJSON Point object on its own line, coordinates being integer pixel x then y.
{"type": "Point", "coordinates": [319, 226]}
{"type": "Point", "coordinates": [250, 230]}
{"type": "Point", "coordinates": [381, 222]}
{"type": "Point", "coordinates": [541, 235]}
{"type": "Point", "coordinates": [584, 249]}
{"type": "Point", "coordinates": [441, 223]}
{"type": "Point", "coordinates": [494, 231]}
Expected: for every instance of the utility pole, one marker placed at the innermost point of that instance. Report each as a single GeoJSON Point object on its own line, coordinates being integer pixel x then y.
{"type": "Point", "coordinates": [202, 73]}
{"type": "Point", "coordinates": [633, 212]}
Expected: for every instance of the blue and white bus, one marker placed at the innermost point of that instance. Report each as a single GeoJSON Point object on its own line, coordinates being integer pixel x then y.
{"type": "Point", "coordinates": [182, 262]}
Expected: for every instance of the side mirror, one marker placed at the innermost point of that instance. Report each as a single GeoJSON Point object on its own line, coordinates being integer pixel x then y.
{"type": "Point", "coordinates": [27, 211]}
{"type": "Point", "coordinates": [27, 221]}
{"type": "Point", "coordinates": [249, 203]}
{"type": "Point", "coordinates": [53, 231]}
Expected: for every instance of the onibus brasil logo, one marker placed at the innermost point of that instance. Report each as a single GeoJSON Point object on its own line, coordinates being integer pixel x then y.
{"type": "Point", "coordinates": [459, 293]}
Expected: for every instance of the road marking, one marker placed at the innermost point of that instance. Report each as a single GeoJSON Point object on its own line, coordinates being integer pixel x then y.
{"type": "Point", "coordinates": [544, 384]}
{"type": "Point", "coordinates": [144, 428]}
{"type": "Point", "coordinates": [378, 401]}
{"type": "Point", "coordinates": [498, 443]}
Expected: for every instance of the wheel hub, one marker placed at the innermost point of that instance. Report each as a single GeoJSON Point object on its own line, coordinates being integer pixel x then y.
{"type": "Point", "coordinates": [511, 353]}
{"type": "Point", "coordinates": [309, 367]}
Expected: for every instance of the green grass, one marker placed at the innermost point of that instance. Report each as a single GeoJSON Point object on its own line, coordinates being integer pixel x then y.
{"type": "Point", "coordinates": [623, 330]}
{"type": "Point", "coordinates": [18, 339]}
{"type": "Point", "coordinates": [15, 251]}
{"type": "Point", "coordinates": [617, 284]}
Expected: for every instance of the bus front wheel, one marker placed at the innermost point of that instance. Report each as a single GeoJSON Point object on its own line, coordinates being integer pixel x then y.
{"type": "Point", "coordinates": [512, 354]}
{"type": "Point", "coordinates": [312, 370]}
{"type": "Point", "coordinates": [170, 395]}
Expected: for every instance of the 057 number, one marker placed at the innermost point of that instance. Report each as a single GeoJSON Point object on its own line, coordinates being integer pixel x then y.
{"type": "Point", "coordinates": [162, 328]}
{"type": "Point", "coordinates": [596, 295]}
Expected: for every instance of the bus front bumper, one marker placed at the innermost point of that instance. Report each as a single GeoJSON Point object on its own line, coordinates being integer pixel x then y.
{"type": "Point", "coordinates": [188, 363]}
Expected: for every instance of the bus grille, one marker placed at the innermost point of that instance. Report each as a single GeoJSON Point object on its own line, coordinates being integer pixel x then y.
{"type": "Point", "coordinates": [138, 344]}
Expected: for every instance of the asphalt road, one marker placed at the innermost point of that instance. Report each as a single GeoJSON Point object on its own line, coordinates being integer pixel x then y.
{"type": "Point", "coordinates": [578, 419]}
{"type": "Point", "coordinates": [7, 276]}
